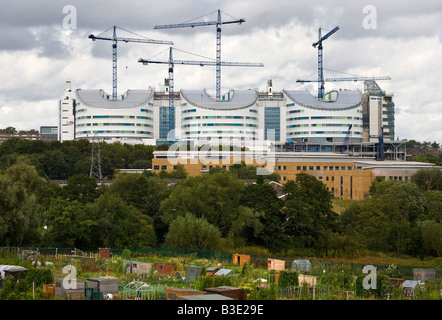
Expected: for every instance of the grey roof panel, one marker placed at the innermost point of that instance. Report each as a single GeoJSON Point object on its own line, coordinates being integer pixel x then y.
{"type": "Point", "coordinates": [239, 99]}
{"type": "Point", "coordinates": [98, 99]}
{"type": "Point", "coordinates": [346, 100]}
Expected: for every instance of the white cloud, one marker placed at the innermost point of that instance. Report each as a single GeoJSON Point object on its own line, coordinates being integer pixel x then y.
{"type": "Point", "coordinates": [406, 46]}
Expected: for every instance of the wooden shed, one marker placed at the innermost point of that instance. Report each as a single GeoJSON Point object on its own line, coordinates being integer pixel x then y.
{"type": "Point", "coordinates": [210, 271]}
{"type": "Point", "coordinates": [138, 267]}
{"type": "Point", "coordinates": [69, 289]}
{"type": "Point", "coordinates": [174, 293]}
{"type": "Point", "coordinates": [105, 285]}
{"type": "Point", "coordinates": [424, 274]}
{"type": "Point", "coordinates": [165, 269]}
{"type": "Point", "coordinates": [240, 259]}
{"type": "Point", "coordinates": [310, 280]}
{"type": "Point", "coordinates": [104, 253]}
{"type": "Point", "coordinates": [275, 264]}
{"type": "Point", "coordinates": [227, 291]}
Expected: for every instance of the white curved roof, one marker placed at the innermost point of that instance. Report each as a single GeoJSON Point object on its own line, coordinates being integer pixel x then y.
{"type": "Point", "coordinates": [5, 267]}
{"type": "Point", "coordinates": [345, 100]}
{"type": "Point", "coordinates": [98, 98]}
{"type": "Point", "coordinates": [239, 99]}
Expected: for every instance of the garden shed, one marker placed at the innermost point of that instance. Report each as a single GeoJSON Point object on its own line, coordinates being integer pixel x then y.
{"type": "Point", "coordinates": [165, 269]}
{"type": "Point", "coordinates": [105, 285]}
{"type": "Point", "coordinates": [240, 259]}
{"type": "Point", "coordinates": [70, 288]}
{"type": "Point", "coordinates": [104, 253]}
{"type": "Point", "coordinates": [227, 291]}
{"type": "Point", "coordinates": [175, 293]}
{"type": "Point", "coordinates": [193, 272]}
{"type": "Point", "coordinates": [210, 271]}
{"type": "Point", "coordinates": [310, 280]}
{"type": "Point", "coordinates": [301, 265]}
{"type": "Point", "coordinates": [275, 264]}
{"type": "Point", "coordinates": [138, 267]}
{"type": "Point", "coordinates": [424, 274]}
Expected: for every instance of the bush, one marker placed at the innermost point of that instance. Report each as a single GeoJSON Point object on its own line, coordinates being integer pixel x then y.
{"type": "Point", "coordinates": [288, 279]}
{"type": "Point", "coordinates": [39, 277]}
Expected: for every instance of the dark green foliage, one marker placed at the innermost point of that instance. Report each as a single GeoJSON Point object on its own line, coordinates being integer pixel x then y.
{"type": "Point", "coordinates": [288, 279]}
{"type": "Point", "coordinates": [309, 219]}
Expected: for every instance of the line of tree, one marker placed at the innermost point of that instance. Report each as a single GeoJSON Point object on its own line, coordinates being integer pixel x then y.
{"type": "Point", "coordinates": [217, 210]}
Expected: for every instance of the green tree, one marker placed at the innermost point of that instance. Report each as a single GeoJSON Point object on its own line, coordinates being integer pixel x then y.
{"type": "Point", "coordinates": [118, 224]}
{"type": "Point", "coordinates": [82, 188]}
{"type": "Point", "coordinates": [308, 214]}
{"type": "Point", "coordinates": [427, 157]}
{"type": "Point", "coordinates": [215, 197]}
{"type": "Point", "coordinates": [434, 205]}
{"type": "Point", "coordinates": [432, 236]}
{"type": "Point", "coordinates": [68, 224]}
{"type": "Point", "coordinates": [20, 187]}
{"type": "Point", "coordinates": [428, 179]}
{"type": "Point", "coordinates": [191, 232]}
{"type": "Point", "coordinates": [263, 198]}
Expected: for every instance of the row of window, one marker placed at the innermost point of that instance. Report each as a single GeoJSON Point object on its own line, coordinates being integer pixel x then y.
{"type": "Point", "coordinates": [114, 117]}
{"type": "Point", "coordinates": [114, 124]}
{"type": "Point", "coordinates": [219, 117]}
{"type": "Point", "coordinates": [318, 168]}
{"type": "Point", "coordinates": [221, 132]}
{"type": "Point", "coordinates": [323, 125]}
{"type": "Point", "coordinates": [219, 125]}
{"type": "Point", "coordinates": [321, 132]}
{"type": "Point", "coordinates": [114, 131]}
{"type": "Point", "coordinates": [324, 118]}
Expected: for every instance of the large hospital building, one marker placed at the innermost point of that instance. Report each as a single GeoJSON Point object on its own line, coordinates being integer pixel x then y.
{"type": "Point", "coordinates": [241, 117]}
{"type": "Point", "coordinates": [336, 139]}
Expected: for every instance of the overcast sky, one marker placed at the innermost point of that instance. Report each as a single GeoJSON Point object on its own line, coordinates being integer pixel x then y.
{"type": "Point", "coordinates": [44, 43]}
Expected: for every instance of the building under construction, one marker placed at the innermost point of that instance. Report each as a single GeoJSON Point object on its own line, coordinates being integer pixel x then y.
{"type": "Point", "coordinates": [293, 120]}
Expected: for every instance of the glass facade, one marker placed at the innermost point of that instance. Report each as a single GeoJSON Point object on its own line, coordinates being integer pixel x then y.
{"type": "Point", "coordinates": [272, 121]}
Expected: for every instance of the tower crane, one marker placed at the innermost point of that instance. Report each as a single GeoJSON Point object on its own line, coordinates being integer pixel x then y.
{"type": "Point", "coordinates": [171, 62]}
{"type": "Point", "coordinates": [115, 40]}
{"type": "Point", "coordinates": [348, 79]}
{"type": "Point", "coordinates": [218, 24]}
{"type": "Point", "coordinates": [320, 60]}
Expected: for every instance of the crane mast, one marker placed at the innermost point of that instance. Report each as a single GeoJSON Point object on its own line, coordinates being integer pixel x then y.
{"type": "Point", "coordinates": [218, 24]}
{"type": "Point", "coordinates": [171, 62]}
{"type": "Point", "coordinates": [115, 40]}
